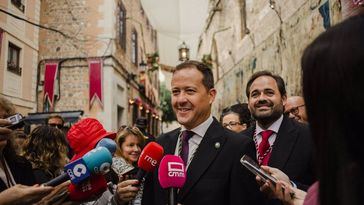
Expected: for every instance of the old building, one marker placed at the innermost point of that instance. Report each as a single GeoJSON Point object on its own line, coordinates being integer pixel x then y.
{"type": "Point", "coordinates": [95, 59]}
{"type": "Point", "coordinates": [245, 36]}
{"type": "Point", "coordinates": [19, 52]}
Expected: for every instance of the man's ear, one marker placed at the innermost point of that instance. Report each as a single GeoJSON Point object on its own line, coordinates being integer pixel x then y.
{"type": "Point", "coordinates": [212, 94]}
{"type": "Point", "coordinates": [284, 100]}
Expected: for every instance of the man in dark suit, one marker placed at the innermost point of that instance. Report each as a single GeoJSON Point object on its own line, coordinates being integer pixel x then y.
{"type": "Point", "coordinates": [280, 142]}
{"type": "Point", "coordinates": [214, 173]}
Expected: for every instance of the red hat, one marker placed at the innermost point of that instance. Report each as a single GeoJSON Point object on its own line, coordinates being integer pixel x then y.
{"type": "Point", "coordinates": [84, 136]}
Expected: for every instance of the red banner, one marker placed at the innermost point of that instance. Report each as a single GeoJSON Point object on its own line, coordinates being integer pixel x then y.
{"type": "Point", "coordinates": [50, 75]}
{"type": "Point", "coordinates": [95, 70]}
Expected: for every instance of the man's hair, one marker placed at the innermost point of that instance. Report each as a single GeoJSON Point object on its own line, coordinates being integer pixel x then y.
{"type": "Point", "coordinates": [54, 116]}
{"type": "Point", "coordinates": [208, 76]}
{"type": "Point", "coordinates": [279, 80]}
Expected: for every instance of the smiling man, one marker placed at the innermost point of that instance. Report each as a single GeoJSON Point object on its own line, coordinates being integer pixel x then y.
{"type": "Point", "coordinates": [280, 142]}
{"type": "Point", "coordinates": [210, 152]}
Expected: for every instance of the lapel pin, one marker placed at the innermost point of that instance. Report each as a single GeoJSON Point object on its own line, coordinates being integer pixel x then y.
{"type": "Point", "coordinates": [217, 145]}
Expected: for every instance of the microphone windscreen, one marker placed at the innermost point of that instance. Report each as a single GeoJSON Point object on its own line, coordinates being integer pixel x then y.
{"type": "Point", "coordinates": [108, 144]}
{"type": "Point", "coordinates": [90, 189]}
{"type": "Point", "coordinates": [150, 157]}
{"type": "Point", "coordinates": [171, 172]}
{"type": "Point", "coordinates": [98, 160]}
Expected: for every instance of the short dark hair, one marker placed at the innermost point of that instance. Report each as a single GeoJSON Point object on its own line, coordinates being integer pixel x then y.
{"type": "Point", "coordinates": [208, 76]}
{"type": "Point", "coordinates": [279, 80]}
{"type": "Point", "coordinates": [242, 110]}
{"type": "Point", "coordinates": [54, 116]}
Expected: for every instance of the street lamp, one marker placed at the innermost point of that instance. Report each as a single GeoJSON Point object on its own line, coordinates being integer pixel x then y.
{"type": "Point", "coordinates": [184, 52]}
{"type": "Point", "coordinates": [142, 66]}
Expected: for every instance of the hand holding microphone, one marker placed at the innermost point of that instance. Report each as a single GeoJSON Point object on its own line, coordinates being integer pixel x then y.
{"type": "Point", "coordinates": [147, 162]}
{"type": "Point", "coordinates": [96, 161]}
{"type": "Point", "coordinates": [172, 176]}
{"type": "Point", "coordinates": [149, 159]}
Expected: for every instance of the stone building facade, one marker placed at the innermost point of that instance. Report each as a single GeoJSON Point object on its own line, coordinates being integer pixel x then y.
{"type": "Point", "coordinates": [245, 36]}
{"type": "Point", "coordinates": [116, 33]}
{"type": "Point", "coordinates": [19, 53]}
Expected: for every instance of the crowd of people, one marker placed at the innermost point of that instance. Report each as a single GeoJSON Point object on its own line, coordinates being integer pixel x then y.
{"type": "Point", "coordinates": [310, 144]}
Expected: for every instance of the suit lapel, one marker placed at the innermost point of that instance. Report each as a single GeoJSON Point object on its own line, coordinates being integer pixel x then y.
{"type": "Point", "coordinates": [170, 142]}
{"type": "Point", "coordinates": [204, 156]}
{"type": "Point", "coordinates": [284, 144]}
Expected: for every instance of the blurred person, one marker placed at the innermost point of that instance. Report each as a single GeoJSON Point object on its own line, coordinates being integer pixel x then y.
{"type": "Point", "coordinates": [130, 142]}
{"type": "Point", "coordinates": [332, 66]}
{"type": "Point", "coordinates": [55, 121]}
{"type": "Point", "coordinates": [279, 141]}
{"type": "Point", "coordinates": [142, 124]}
{"type": "Point", "coordinates": [84, 136]}
{"type": "Point", "coordinates": [19, 139]}
{"type": "Point", "coordinates": [46, 149]}
{"type": "Point", "coordinates": [295, 108]}
{"type": "Point", "coordinates": [16, 175]}
{"type": "Point", "coordinates": [14, 169]}
{"type": "Point", "coordinates": [236, 117]}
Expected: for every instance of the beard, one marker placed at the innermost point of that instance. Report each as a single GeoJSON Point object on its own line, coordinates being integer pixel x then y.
{"type": "Point", "coordinates": [266, 119]}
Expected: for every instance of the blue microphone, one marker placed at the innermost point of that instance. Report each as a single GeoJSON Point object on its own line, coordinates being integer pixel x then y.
{"type": "Point", "coordinates": [97, 161]}
{"type": "Point", "coordinates": [108, 144]}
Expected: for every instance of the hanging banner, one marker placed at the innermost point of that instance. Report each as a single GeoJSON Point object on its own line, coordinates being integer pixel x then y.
{"type": "Point", "coordinates": [95, 70]}
{"type": "Point", "coordinates": [50, 75]}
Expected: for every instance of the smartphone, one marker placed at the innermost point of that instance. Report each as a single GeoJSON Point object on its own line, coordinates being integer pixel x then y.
{"type": "Point", "coordinates": [17, 121]}
{"type": "Point", "coordinates": [252, 166]}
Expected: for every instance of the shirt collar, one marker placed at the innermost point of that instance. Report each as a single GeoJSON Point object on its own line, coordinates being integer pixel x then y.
{"type": "Point", "coordinates": [274, 127]}
{"type": "Point", "coordinates": [201, 129]}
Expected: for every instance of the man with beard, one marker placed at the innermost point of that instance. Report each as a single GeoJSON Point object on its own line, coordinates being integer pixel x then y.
{"type": "Point", "coordinates": [280, 142]}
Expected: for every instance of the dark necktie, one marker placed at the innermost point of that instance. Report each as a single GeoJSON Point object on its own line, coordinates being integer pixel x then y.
{"type": "Point", "coordinates": [263, 148]}
{"type": "Point", "coordinates": [185, 137]}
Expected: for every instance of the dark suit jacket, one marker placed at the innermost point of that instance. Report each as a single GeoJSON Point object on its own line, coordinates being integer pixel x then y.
{"type": "Point", "coordinates": [21, 170]}
{"type": "Point", "coordinates": [215, 175]}
{"type": "Point", "coordinates": [292, 152]}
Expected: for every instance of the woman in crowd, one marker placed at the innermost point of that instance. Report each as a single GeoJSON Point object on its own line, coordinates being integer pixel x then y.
{"type": "Point", "coordinates": [46, 149]}
{"type": "Point", "coordinates": [130, 142]}
{"type": "Point", "coordinates": [13, 168]}
{"type": "Point", "coordinates": [16, 177]}
{"type": "Point", "coordinates": [236, 117]}
{"type": "Point", "coordinates": [333, 70]}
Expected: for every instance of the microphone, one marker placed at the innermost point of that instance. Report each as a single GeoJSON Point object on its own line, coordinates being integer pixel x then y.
{"type": "Point", "coordinates": [87, 190]}
{"type": "Point", "coordinates": [96, 161]}
{"type": "Point", "coordinates": [172, 175]}
{"type": "Point", "coordinates": [149, 159]}
{"type": "Point", "coordinates": [108, 144]}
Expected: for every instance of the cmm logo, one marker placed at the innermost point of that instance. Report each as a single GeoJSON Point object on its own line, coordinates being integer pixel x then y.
{"type": "Point", "coordinates": [176, 169]}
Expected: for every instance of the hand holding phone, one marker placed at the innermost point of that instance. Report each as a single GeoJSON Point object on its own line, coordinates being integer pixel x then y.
{"type": "Point", "coordinates": [17, 121]}
{"type": "Point", "coordinates": [252, 166]}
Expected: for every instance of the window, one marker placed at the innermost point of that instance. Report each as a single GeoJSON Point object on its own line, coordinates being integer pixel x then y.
{"type": "Point", "coordinates": [134, 47]}
{"type": "Point", "coordinates": [13, 59]}
{"type": "Point", "coordinates": [19, 4]}
{"type": "Point", "coordinates": [122, 26]}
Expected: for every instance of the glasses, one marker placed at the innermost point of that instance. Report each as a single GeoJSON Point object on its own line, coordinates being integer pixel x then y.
{"type": "Point", "coordinates": [59, 126]}
{"type": "Point", "coordinates": [231, 124]}
{"type": "Point", "coordinates": [294, 110]}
